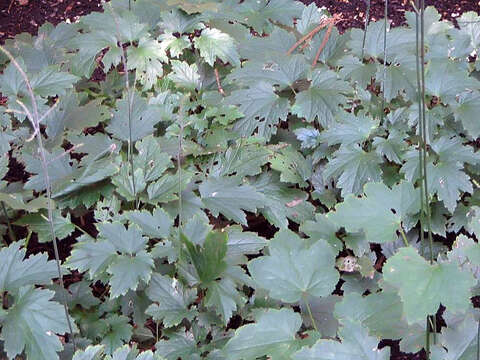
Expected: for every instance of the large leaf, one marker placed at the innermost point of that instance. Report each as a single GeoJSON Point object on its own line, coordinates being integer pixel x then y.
{"type": "Point", "coordinates": [16, 271]}
{"type": "Point", "coordinates": [262, 108]}
{"type": "Point", "coordinates": [373, 213]}
{"type": "Point", "coordinates": [322, 99]}
{"type": "Point", "coordinates": [133, 119]}
{"type": "Point", "coordinates": [273, 329]}
{"type": "Point", "coordinates": [282, 203]}
{"type": "Point", "coordinates": [421, 285]}
{"type": "Point", "coordinates": [294, 270]}
{"type": "Point", "coordinates": [353, 168]}
{"type": "Point", "coordinates": [228, 197]}
{"type": "Point", "coordinates": [213, 43]}
{"type": "Point", "coordinates": [32, 323]}
{"type": "Point", "coordinates": [356, 344]}
{"type": "Point", "coordinates": [172, 298]}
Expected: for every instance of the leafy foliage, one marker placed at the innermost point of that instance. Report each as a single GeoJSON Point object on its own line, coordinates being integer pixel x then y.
{"type": "Point", "coordinates": [219, 194]}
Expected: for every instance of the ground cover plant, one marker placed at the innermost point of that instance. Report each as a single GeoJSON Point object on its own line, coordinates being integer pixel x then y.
{"type": "Point", "coordinates": [224, 180]}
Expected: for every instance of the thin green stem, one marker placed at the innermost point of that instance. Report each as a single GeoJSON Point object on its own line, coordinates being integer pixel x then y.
{"type": "Point", "coordinates": [382, 114]}
{"type": "Point", "coordinates": [404, 237]}
{"type": "Point", "coordinates": [34, 119]}
{"type": "Point", "coordinates": [420, 132]}
{"type": "Point", "coordinates": [424, 127]}
{"type": "Point", "coordinates": [367, 20]}
{"type": "Point", "coordinates": [130, 95]}
{"type": "Point", "coordinates": [11, 234]}
{"type": "Point", "coordinates": [310, 314]}
{"type": "Point", "coordinates": [427, 340]}
{"type": "Point", "coordinates": [179, 161]}
{"type": "Point", "coordinates": [478, 341]}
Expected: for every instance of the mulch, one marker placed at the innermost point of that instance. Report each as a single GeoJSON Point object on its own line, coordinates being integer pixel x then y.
{"type": "Point", "coordinates": [17, 16]}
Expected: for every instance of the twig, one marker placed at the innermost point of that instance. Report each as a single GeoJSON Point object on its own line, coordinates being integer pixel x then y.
{"type": "Point", "coordinates": [324, 42]}
{"type": "Point", "coordinates": [310, 35]}
{"type": "Point", "coordinates": [219, 84]}
{"type": "Point", "coordinates": [73, 148]}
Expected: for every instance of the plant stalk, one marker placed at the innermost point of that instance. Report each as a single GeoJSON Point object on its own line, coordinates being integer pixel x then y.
{"type": "Point", "coordinates": [310, 314]}
{"type": "Point", "coordinates": [35, 121]}
{"type": "Point", "coordinates": [11, 234]}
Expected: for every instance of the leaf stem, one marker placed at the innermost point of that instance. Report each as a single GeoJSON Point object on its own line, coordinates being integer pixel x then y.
{"type": "Point", "coordinates": [34, 119]}
{"type": "Point", "coordinates": [478, 341]}
{"type": "Point", "coordinates": [384, 80]}
{"type": "Point", "coordinates": [367, 21]}
{"type": "Point", "coordinates": [130, 95]}
{"type": "Point", "coordinates": [11, 234]}
{"type": "Point", "coordinates": [404, 237]}
{"type": "Point", "coordinates": [309, 310]}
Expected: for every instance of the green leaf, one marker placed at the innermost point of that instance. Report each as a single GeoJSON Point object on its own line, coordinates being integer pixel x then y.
{"type": "Point", "coordinates": [228, 197]}
{"type": "Point", "coordinates": [38, 223]}
{"type": "Point", "coordinates": [90, 353]}
{"type": "Point", "coordinates": [293, 167]}
{"type": "Point", "coordinates": [91, 256]}
{"type": "Point", "coordinates": [445, 79]}
{"type": "Point", "coordinates": [355, 70]}
{"type": "Point", "coordinates": [119, 331]}
{"type": "Point", "coordinates": [262, 108]}
{"type": "Point", "coordinates": [322, 99]}
{"type": "Point", "coordinates": [282, 203]}
{"type": "Point", "coordinates": [242, 160]}
{"type": "Point", "coordinates": [353, 168]}
{"type": "Point", "coordinates": [349, 129]}
{"type": "Point", "coordinates": [150, 159]}
{"type": "Point", "coordinates": [166, 188]}
{"type": "Point", "coordinates": [16, 271]}
{"type": "Point", "coordinates": [223, 297]}
{"type": "Point", "coordinates": [381, 313]}
{"type": "Point", "coordinates": [213, 43]}
{"type": "Point", "coordinates": [209, 260]}
{"type": "Point", "coordinates": [322, 311]}
{"type": "Point", "coordinates": [447, 180]}
{"type": "Point", "coordinates": [294, 270]}
{"type": "Point", "coordinates": [32, 323]}
{"type": "Point", "coordinates": [51, 82]}
{"type": "Point", "coordinates": [242, 243]}
{"type": "Point", "coordinates": [356, 344]}
{"type": "Point", "coordinates": [258, 14]}
{"type": "Point", "coordinates": [138, 124]}
{"type": "Point", "coordinates": [421, 286]}
{"type": "Point", "coordinates": [283, 71]}
{"type": "Point", "coordinates": [156, 225]}
{"type": "Point", "coordinates": [272, 330]}
{"type": "Point", "coordinates": [373, 213]}
{"type": "Point", "coordinates": [323, 228]}
{"type": "Point", "coordinates": [127, 271]}
{"type": "Point", "coordinates": [466, 111]}
{"type": "Point", "coordinates": [460, 337]}
{"type": "Point", "coordinates": [179, 345]}
{"type": "Point", "coordinates": [146, 58]}
{"type": "Point", "coordinates": [129, 241]}
{"type": "Point", "coordinates": [172, 298]}
{"type": "Point", "coordinates": [185, 75]}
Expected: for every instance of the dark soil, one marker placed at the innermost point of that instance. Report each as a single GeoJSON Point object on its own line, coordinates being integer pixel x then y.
{"type": "Point", "coordinates": [17, 16]}
{"type": "Point", "coordinates": [354, 11]}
